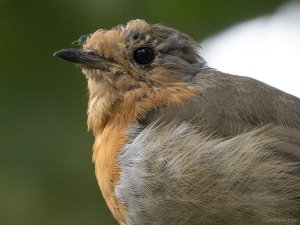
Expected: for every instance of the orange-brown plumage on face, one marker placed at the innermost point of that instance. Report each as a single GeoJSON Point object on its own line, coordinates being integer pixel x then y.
{"type": "Point", "coordinates": [126, 78]}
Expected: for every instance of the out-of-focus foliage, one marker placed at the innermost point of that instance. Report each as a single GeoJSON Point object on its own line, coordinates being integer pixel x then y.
{"type": "Point", "coordinates": [46, 173]}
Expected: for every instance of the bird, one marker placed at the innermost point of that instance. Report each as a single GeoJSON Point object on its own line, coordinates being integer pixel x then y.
{"type": "Point", "coordinates": [178, 142]}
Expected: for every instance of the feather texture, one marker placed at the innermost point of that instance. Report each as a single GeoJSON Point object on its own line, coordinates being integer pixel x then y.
{"type": "Point", "coordinates": [229, 155]}
{"type": "Point", "coordinates": [172, 174]}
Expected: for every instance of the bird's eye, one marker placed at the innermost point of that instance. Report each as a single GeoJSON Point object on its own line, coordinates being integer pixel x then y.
{"type": "Point", "coordinates": [144, 55]}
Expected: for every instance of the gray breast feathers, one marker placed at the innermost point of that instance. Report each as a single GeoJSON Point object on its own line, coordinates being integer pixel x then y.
{"type": "Point", "coordinates": [173, 174]}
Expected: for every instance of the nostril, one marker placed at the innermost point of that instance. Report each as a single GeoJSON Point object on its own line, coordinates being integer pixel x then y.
{"type": "Point", "coordinates": [134, 87]}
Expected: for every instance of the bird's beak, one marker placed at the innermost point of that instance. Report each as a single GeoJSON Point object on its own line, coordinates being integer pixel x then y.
{"type": "Point", "coordinates": [87, 58]}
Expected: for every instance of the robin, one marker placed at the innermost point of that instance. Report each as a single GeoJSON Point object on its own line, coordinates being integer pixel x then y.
{"type": "Point", "coordinates": [177, 142]}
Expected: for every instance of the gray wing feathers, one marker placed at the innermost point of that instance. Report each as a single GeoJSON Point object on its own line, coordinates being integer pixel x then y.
{"type": "Point", "coordinates": [229, 105]}
{"type": "Point", "coordinates": [172, 174]}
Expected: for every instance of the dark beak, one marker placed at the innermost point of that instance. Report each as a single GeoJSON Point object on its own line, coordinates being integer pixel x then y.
{"type": "Point", "coordinates": [88, 58]}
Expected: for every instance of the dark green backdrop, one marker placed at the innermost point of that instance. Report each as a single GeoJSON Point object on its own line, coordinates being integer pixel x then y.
{"type": "Point", "coordinates": [46, 173]}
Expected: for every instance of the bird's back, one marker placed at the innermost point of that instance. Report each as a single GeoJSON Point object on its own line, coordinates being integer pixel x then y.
{"type": "Point", "coordinates": [229, 105]}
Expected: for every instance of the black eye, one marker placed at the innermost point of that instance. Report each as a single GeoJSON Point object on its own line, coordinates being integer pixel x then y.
{"type": "Point", "coordinates": [144, 55]}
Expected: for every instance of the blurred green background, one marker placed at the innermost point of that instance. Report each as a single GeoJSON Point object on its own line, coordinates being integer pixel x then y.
{"type": "Point", "coordinates": [46, 173]}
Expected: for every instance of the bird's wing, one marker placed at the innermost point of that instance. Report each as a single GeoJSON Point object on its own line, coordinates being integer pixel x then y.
{"type": "Point", "coordinates": [230, 105]}
{"type": "Point", "coordinates": [230, 155]}
{"type": "Point", "coordinates": [173, 174]}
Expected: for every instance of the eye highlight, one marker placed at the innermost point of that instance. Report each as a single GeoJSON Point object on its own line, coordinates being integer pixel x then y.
{"type": "Point", "coordinates": [144, 55]}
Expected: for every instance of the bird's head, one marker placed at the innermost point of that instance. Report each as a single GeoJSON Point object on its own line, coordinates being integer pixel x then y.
{"type": "Point", "coordinates": [136, 60]}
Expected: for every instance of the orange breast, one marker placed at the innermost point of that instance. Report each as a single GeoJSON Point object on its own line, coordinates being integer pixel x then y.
{"type": "Point", "coordinates": [110, 139]}
{"type": "Point", "coordinates": [107, 147]}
